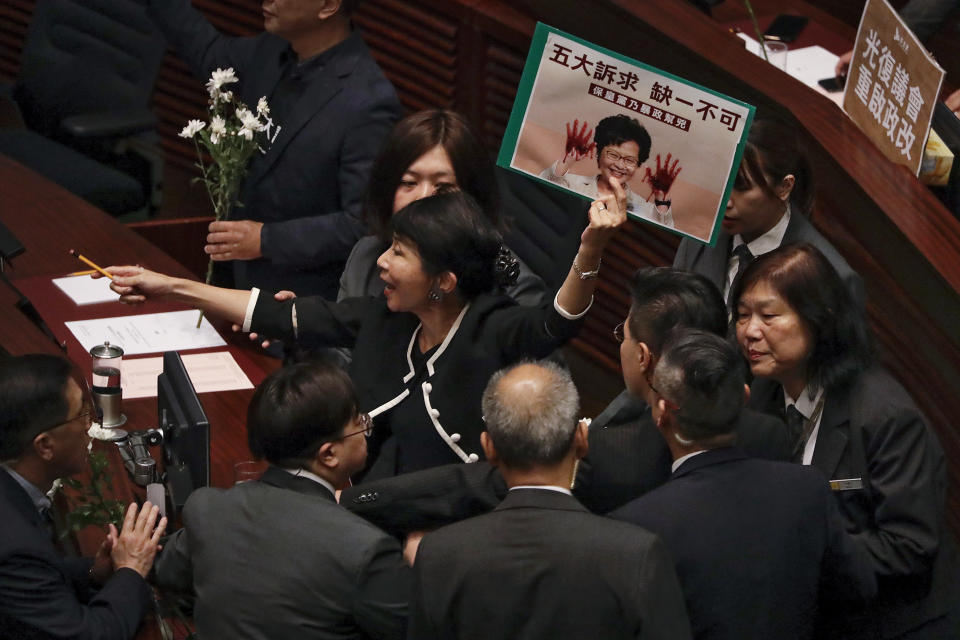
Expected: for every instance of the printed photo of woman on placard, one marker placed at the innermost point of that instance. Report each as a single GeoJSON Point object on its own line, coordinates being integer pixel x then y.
{"type": "Point", "coordinates": [621, 145]}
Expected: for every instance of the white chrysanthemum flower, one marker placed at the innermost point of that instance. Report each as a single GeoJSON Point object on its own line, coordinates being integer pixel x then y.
{"type": "Point", "coordinates": [249, 121]}
{"type": "Point", "coordinates": [263, 109]}
{"type": "Point", "coordinates": [245, 132]}
{"type": "Point", "coordinates": [218, 129]}
{"type": "Point", "coordinates": [219, 78]}
{"type": "Point", "coordinates": [193, 127]}
{"type": "Point", "coordinates": [226, 96]}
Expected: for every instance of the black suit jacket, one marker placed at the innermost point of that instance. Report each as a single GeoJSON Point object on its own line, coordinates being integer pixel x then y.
{"type": "Point", "coordinates": [492, 333]}
{"type": "Point", "coordinates": [308, 188]}
{"type": "Point", "coordinates": [754, 543]}
{"type": "Point", "coordinates": [875, 433]}
{"type": "Point", "coordinates": [542, 566]}
{"type": "Point", "coordinates": [628, 457]}
{"type": "Point", "coordinates": [45, 595]}
{"type": "Point", "coordinates": [712, 262]}
{"type": "Point", "coordinates": [278, 558]}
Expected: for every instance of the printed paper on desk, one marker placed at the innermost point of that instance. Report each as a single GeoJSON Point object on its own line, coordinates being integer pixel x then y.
{"type": "Point", "coordinates": [85, 290]}
{"type": "Point", "coordinates": [149, 333]}
{"type": "Point", "coordinates": [571, 87]}
{"type": "Point", "coordinates": [209, 372]}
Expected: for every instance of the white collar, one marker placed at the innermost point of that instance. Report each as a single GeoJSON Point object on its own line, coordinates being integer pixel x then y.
{"type": "Point", "coordinates": [807, 402]}
{"type": "Point", "coordinates": [679, 461]}
{"type": "Point", "coordinates": [309, 475]}
{"type": "Point", "coordinates": [768, 241]}
{"type": "Point", "coordinates": [544, 487]}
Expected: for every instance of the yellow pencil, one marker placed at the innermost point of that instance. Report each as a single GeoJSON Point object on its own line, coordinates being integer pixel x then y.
{"type": "Point", "coordinates": [82, 273]}
{"type": "Point", "coordinates": [76, 254]}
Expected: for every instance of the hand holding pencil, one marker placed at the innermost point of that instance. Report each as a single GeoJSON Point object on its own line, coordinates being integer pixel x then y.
{"type": "Point", "coordinates": [137, 285]}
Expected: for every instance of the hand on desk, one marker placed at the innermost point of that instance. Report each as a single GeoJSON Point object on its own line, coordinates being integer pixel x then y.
{"type": "Point", "coordinates": [234, 240]}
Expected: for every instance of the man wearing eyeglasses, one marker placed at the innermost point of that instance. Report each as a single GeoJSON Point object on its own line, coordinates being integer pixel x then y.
{"type": "Point", "coordinates": [278, 557]}
{"type": "Point", "coordinates": [621, 144]}
{"type": "Point", "coordinates": [44, 419]}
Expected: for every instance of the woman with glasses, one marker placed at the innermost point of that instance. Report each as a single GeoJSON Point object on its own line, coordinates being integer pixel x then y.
{"type": "Point", "coordinates": [621, 144]}
{"type": "Point", "coordinates": [424, 350]}
{"type": "Point", "coordinates": [809, 349]}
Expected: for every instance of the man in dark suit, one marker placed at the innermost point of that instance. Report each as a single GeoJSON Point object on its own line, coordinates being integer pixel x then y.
{"type": "Point", "coordinates": [628, 457]}
{"type": "Point", "coordinates": [540, 565]}
{"type": "Point", "coordinates": [330, 106]}
{"type": "Point", "coordinates": [756, 543]}
{"type": "Point", "coordinates": [44, 419]}
{"type": "Point", "coordinates": [278, 557]}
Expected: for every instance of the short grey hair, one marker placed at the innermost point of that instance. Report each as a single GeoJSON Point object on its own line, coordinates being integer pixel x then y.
{"type": "Point", "coordinates": [534, 426]}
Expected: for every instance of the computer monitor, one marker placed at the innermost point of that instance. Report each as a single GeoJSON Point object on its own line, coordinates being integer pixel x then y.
{"type": "Point", "coordinates": [186, 432]}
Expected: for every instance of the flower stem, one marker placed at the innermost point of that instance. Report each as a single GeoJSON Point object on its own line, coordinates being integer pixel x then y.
{"type": "Point", "coordinates": [756, 29]}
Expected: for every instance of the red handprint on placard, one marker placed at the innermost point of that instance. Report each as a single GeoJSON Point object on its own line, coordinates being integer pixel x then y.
{"type": "Point", "coordinates": [662, 179]}
{"type": "Point", "coordinates": [579, 142]}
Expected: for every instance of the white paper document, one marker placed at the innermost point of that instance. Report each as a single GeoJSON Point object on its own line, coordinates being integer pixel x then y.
{"type": "Point", "coordinates": [86, 290]}
{"type": "Point", "coordinates": [149, 333]}
{"type": "Point", "coordinates": [209, 372]}
{"type": "Point", "coordinates": [807, 64]}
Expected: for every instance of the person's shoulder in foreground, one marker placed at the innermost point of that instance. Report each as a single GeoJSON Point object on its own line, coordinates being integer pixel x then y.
{"type": "Point", "coordinates": [540, 565]}
{"type": "Point", "coordinates": [44, 419]}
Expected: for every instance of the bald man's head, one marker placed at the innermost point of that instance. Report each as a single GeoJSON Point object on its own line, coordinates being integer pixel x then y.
{"type": "Point", "coordinates": [530, 411]}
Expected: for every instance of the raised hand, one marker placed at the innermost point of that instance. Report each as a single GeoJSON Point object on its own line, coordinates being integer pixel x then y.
{"type": "Point", "coordinates": [606, 215]}
{"type": "Point", "coordinates": [661, 180]}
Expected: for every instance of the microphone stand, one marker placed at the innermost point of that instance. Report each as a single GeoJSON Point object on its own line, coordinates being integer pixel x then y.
{"type": "Point", "coordinates": [26, 307]}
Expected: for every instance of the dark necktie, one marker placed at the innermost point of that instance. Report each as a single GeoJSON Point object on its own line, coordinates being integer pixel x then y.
{"type": "Point", "coordinates": [744, 258]}
{"type": "Point", "coordinates": [795, 422]}
{"type": "Point", "coordinates": [46, 522]}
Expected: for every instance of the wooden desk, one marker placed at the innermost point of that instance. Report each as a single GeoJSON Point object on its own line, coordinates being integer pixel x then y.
{"type": "Point", "coordinates": [49, 221]}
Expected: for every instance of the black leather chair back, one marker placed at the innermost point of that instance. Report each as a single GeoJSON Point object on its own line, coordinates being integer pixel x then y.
{"type": "Point", "coordinates": [544, 224]}
{"type": "Point", "coordinates": [83, 56]}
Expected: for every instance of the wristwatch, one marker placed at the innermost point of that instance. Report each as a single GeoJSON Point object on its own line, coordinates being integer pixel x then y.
{"type": "Point", "coordinates": [586, 275]}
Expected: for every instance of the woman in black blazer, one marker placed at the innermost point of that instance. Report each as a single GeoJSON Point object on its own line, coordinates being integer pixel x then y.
{"type": "Point", "coordinates": [423, 351]}
{"type": "Point", "coordinates": [809, 347]}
